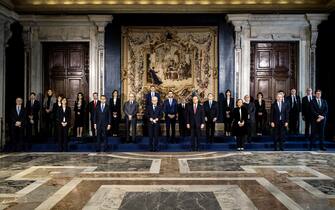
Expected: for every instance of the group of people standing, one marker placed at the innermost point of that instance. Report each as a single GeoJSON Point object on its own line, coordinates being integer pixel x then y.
{"type": "Point", "coordinates": [242, 119]}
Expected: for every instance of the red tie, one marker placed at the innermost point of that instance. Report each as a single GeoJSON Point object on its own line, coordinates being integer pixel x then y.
{"type": "Point", "coordinates": [195, 108]}
{"type": "Point", "coordinates": [95, 104]}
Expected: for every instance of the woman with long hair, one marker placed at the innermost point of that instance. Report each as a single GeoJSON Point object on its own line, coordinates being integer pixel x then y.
{"type": "Point", "coordinates": [79, 116]}
{"type": "Point", "coordinates": [115, 109]}
{"type": "Point", "coordinates": [228, 106]}
{"type": "Point", "coordinates": [63, 120]}
{"type": "Point", "coordinates": [261, 114]}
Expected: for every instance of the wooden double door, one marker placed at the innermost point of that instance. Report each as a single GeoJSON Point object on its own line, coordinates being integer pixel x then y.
{"type": "Point", "coordinates": [273, 67]}
{"type": "Point", "coordinates": [66, 68]}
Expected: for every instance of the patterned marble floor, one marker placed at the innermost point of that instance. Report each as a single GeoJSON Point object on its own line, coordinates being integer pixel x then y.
{"type": "Point", "coordinates": [164, 181]}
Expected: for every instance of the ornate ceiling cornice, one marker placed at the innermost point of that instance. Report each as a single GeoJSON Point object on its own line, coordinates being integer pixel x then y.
{"type": "Point", "coordinates": [168, 6]}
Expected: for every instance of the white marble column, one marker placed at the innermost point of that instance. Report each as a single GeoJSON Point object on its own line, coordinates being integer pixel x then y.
{"type": "Point", "coordinates": [314, 21]}
{"type": "Point", "coordinates": [6, 18]}
{"type": "Point", "coordinates": [100, 23]}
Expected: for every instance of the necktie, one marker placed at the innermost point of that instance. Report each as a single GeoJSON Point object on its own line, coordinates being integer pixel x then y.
{"type": "Point", "coordinates": [279, 105]}
{"type": "Point", "coordinates": [95, 104]}
{"type": "Point", "coordinates": [319, 103]}
{"type": "Point", "coordinates": [102, 107]}
{"type": "Point", "coordinates": [154, 108]}
{"type": "Point", "coordinates": [195, 108]}
{"type": "Point", "coordinates": [152, 94]}
{"type": "Point", "coordinates": [18, 110]}
{"type": "Point", "coordinates": [170, 101]}
{"type": "Point", "coordinates": [210, 104]}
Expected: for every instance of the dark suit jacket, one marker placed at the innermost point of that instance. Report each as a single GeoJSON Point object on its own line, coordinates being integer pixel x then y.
{"type": "Point", "coordinates": [316, 110]}
{"type": "Point", "coordinates": [102, 117]}
{"type": "Point", "coordinates": [182, 112]}
{"type": "Point", "coordinates": [148, 98]}
{"type": "Point", "coordinates": [195, 119]}
{"type": "Point", "coordinates": [14, 117]}
{"type": "Point", "coordinates": [211, 112]}
{"type": "Point", "coordinates": [151, 113]}
{"type": "Point", "coordinates": [61, 114]}
{"type": "Point", "coordinates": [260, 108]}
{"type": "Point", "coordinates": [306, 108]}
{"type": "Point", "coordinates": [173, 109]}
{"type": "Point", "coordinates": [297, 107]}
{"type": "Point", "coordinates": [115, 108]}
{"type": "Point", "coordinates": [276, 114]}
{"type": "Point", "coordinates": [237, 130]}
{"type": "Point", "coordinates": [33, 109]}
{"type": "Point", "coordinates": [91, 107]}
{"type": "Point", "coordinates": [251, 110]}
{"type": "Point", "coordinates": [129, 109]}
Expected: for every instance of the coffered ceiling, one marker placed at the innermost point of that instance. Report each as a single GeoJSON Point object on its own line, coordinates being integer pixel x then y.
{"type": "Point", "coordinates": [167, 6]}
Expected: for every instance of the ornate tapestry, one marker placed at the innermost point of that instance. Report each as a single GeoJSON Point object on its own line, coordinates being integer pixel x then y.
{"type": "Point", "coordinates": [181, 59]}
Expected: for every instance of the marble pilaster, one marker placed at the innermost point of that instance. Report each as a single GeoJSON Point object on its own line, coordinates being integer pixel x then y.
{"type": "Point", "coordinates": [39, 29]}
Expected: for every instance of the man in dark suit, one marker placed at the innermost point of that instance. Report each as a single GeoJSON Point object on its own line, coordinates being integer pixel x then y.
{"type": "Point", "coordinates": [319, 109]}
{"type": "Point", "coordinates": [182, 112]}
{"type": "Point", "coordinates": [211, 115]}
{"type": "Point", "coordinates": [102, 123]}
{"type": "Point", "coordinates": [33, 107]}
{"type": "Point", "coordinates": [151, 94]}
{"type": "Point", "coordinates": [18, 123]}
{"type": "Point", "coordinates": [130, 109]}
{"type": "Point", "coordinates": [295, 109]}
{"type": "Point", "coordinates": [195, 120]}
{"type": "Point", "coordinates": [170, 113]}
{"type": "Point", "coordinates": [306, 111]}
{"type": "Point", "coordinates": [154, 114]}
{"type": "Point", "coordinates": [251, 119]}
{"type": "Point", "coordinates": [92, 107]}
{"type": "Point", "coordinates": [279, 121]}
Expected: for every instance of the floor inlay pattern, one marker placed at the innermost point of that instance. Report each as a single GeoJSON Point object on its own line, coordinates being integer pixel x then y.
{"type": "Point", "coordinates": [241, 180]}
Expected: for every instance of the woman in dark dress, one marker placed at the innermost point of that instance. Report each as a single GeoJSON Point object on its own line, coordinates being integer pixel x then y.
{"type": "Point", "coordinates": [63, 120]}
{"type": "Point", "coordinates": [79, 116]}
{"type": "Point", "coordinates": [228, 106]}
{"type": "Point", "coordinates": [115, 109]}
{"type": "Point", "coordinates": [55, 109]}
{"type": "Point", "coordinates": [240, 117]}
{"type": "Point", "coordinates": [260, 114]}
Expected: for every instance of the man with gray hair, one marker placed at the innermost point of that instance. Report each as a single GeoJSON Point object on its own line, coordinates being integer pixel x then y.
{"type": "Point", "coordinates": [306, 111]}
{"type": "Point", "coordinates": [130, 109]}
{"type": "Point", "coordinates": [154, 114]}
{"type": "Point", "coordinates": [251, 120]}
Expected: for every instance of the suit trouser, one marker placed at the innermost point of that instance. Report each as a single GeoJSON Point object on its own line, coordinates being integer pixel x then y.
{"type": "Point", "coordinates": [62, 138]}
{"type": "Point", "coordinates": [195, 135]}
{"type": "Point", "coordinates": [260, 124]}
{"type": "Point", "coordinates": [308, 127]}
{"type": "Point", "coordinates": [49, 124]}
{"type": "Point", "coordinates": [318, 131]}
{"type": "Point", "coordinates": [183, 131]}
{"type": "Point", "coordinates": [210, 129]}
{"type": "Point", "coordinates": [251, 129]}
{"type": "Point", "coordinates": [17, 143]}
{"type": "Point", "coordinates": [94, 132]}
{"type": "Point", "coordinates": [101, 138]}
{"type": "Point", "coordinates": [170, 123]}
{"type": "Point", "coordinates": [115, 125]}
{"type": "Point", "coordinates": [279, 132]}
{"type": "Point", "coordinates": [153, 135]}
{"type": "Point", "coordinates": [293, 123]}
{"type": "Point", "coordinates": [240, 141]}
{"type": "Point", "coordinates": [131, 123]}
{"type": "Point", "coordinates": [32, 128]}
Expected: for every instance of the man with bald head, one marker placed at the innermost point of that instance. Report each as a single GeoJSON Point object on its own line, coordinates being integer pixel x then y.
{"type": "Point", "coordinates": [154, 114]}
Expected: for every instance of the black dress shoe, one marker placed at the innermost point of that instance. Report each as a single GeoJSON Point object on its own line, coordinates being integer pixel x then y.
{"type": "Point", "coordinates": [323, 149]}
